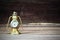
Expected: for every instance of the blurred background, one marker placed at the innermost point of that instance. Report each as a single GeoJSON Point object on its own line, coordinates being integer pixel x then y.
{"type": "Point", "coordinates": [31, 11]}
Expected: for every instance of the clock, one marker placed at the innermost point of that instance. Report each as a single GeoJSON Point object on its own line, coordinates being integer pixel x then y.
{"type": "Point", "coordinates": [14, 23]}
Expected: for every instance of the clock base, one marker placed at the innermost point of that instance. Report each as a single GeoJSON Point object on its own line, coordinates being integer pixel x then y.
{"type": "Point", "coordinates": [15, 31]}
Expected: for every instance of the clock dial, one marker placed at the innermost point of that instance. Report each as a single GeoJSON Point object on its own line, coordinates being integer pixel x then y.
{"type": "Point", "coordinates": [14, 23]}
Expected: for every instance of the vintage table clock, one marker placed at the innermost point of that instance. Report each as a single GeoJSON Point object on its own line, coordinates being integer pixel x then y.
{"type": "Point", "coordinates": [14, 21]}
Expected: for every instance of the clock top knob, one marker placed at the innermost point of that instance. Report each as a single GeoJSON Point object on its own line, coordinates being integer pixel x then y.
{"type": "Point", "coordinates": [14, 13]}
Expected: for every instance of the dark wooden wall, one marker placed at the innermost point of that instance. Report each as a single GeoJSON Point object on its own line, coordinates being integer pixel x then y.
{"type": "Point", "coordinates": [31, 12]}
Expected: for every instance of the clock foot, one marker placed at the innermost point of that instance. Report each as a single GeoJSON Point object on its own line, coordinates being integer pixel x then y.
{"type": "Point", "coordinates": [15, 31]}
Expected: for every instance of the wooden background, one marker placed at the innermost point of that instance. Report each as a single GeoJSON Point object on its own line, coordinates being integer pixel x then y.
{"type": "Point", "coordinates": [31, 11]}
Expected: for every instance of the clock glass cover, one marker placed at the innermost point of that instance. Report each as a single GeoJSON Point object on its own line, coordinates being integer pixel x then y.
{"type": "Point", "coordinates": [14, 23]}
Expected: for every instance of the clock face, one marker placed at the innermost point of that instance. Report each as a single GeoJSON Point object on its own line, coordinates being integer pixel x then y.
{"type": "Point", "coordinates": [14, 23]}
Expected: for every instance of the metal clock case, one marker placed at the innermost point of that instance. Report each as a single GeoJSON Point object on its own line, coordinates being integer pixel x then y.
{"type": "Point", "coordinates": [14, 23]}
